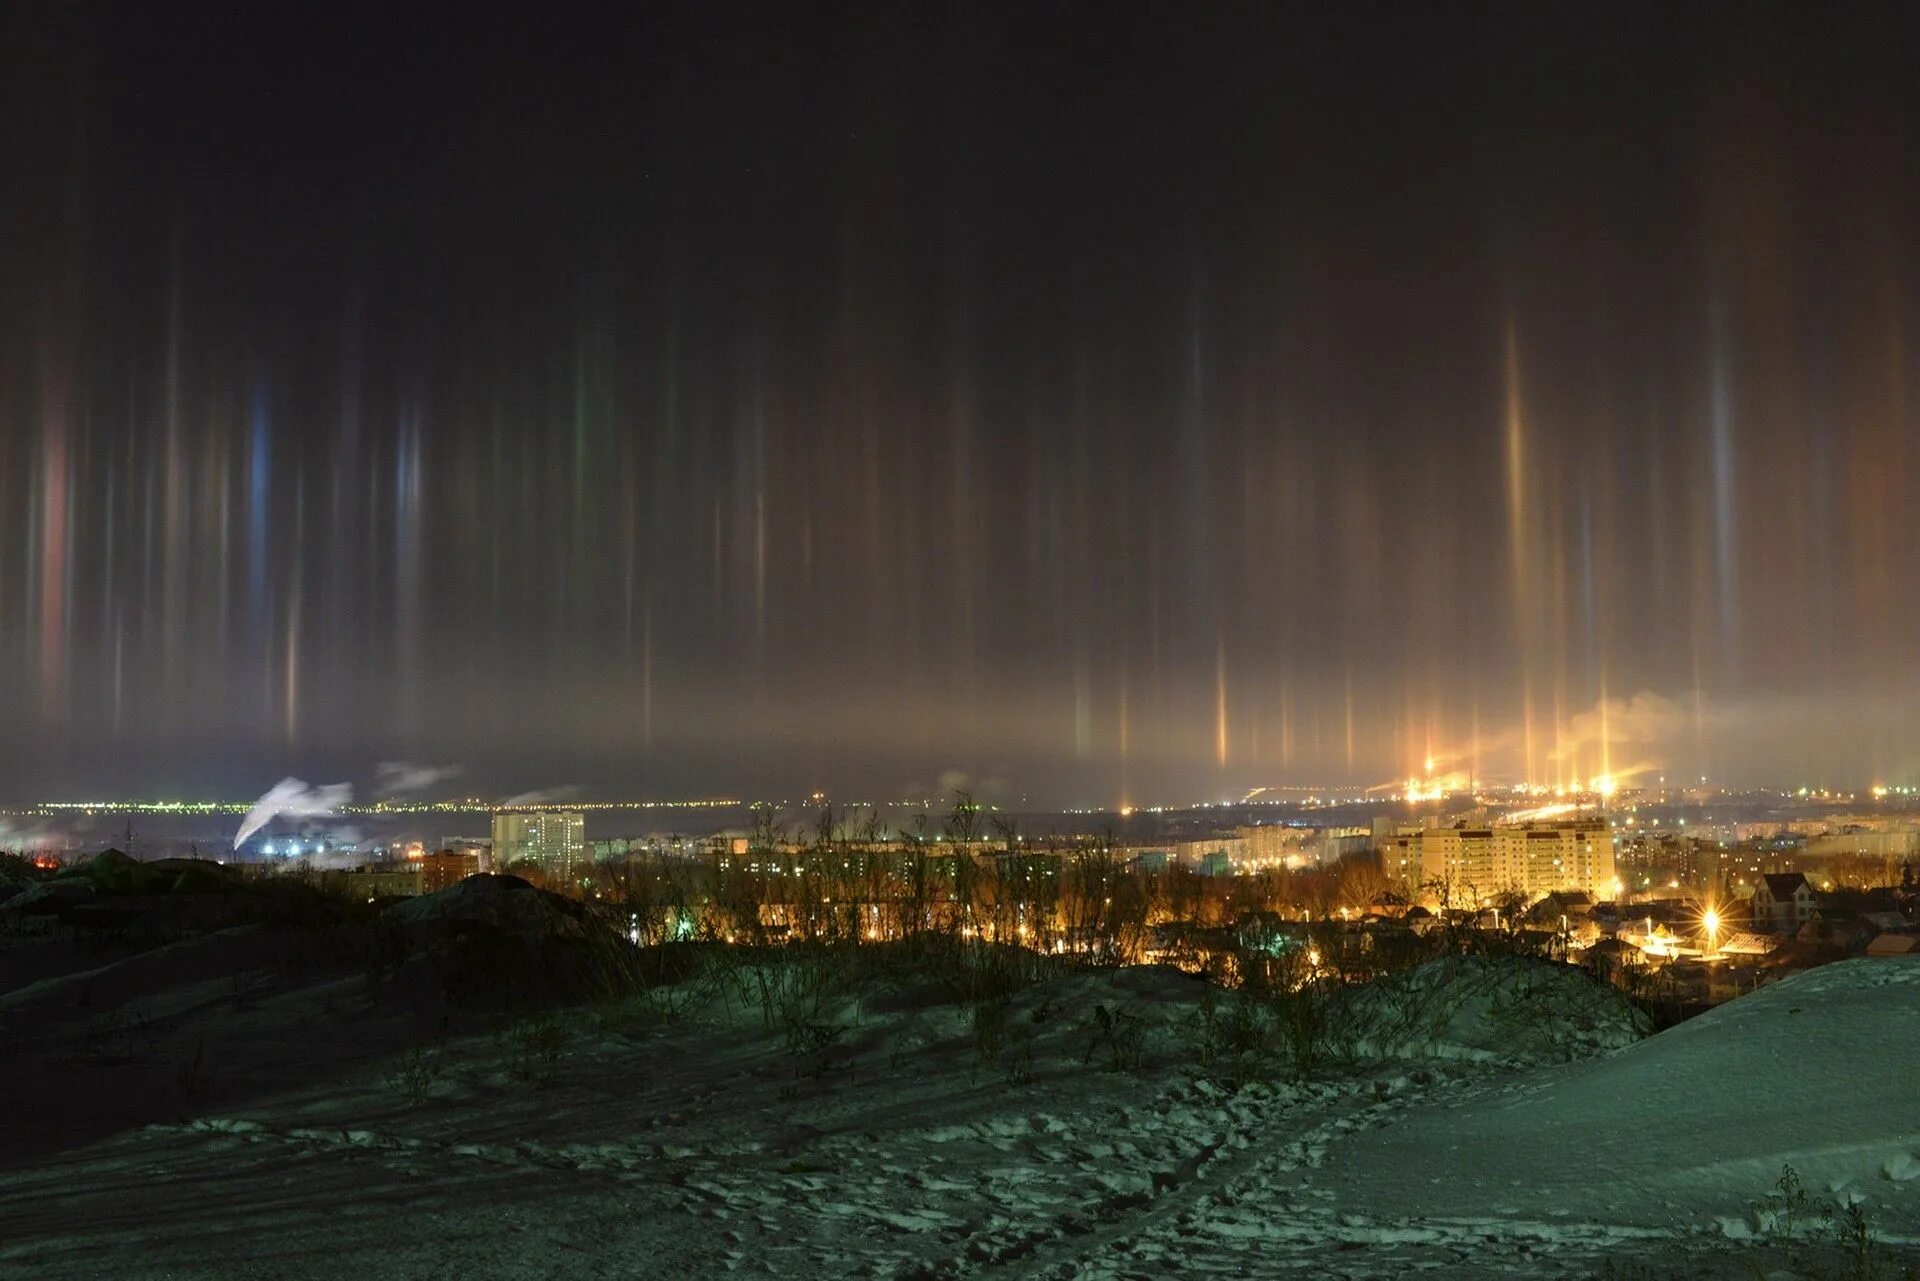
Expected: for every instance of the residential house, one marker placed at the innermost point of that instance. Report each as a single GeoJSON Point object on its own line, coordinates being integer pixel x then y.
{"type": "Point", "coordinates": [1746, 943]}
{"type": "Point", "coordinates": [1783, 902]}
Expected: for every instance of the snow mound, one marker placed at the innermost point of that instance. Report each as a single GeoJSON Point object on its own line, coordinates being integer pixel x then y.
{"type": "Point", "coordinates": [500, 902]}
{"type": "Point", "coordinates": [1063, 1021]}
{"type": "Point", "coordinates": [494, 942]}
{"type": "Point", "coordinates": [1506, 1009]}
{"type": "Point", "coordinates": [195, 876]}
{"type": "Point", "coordinates": [1692, 1127]}
{"type": "Point", "coordinates": [1109, 1019]}
{"type": "Point", "coordinates": [48, 896]}
{"type": "Point", "coordinates": [111, 872]}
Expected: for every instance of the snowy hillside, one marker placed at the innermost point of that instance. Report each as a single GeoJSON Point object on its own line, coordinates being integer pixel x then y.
{"type": "Point", "coordinates": [1096, 1124]}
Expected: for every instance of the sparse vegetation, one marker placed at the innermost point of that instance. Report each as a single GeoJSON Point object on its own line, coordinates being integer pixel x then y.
{"type": "Point", "coordinates": [194, 1075]}
{"type": "Point", "coordinates": [1822, 1241]}
{"type": "Point", "coordinates": [988, 1019]}
{"type": "Point", "coordinates": [413, 1077]}
{"type": "Point", "coordinates": [534, 1046]}
{"type": "Point", "coordinates": [1231, 1035]}
{"type": "Point", "coordinates": [1119, 1037]}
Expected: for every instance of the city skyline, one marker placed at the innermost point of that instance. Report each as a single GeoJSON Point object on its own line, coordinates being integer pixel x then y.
{"type": "Point", "coordinates": [1102, 407]}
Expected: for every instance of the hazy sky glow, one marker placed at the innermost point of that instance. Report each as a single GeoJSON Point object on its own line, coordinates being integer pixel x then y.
{"type": "Point", "coordinates": [1120, 406]}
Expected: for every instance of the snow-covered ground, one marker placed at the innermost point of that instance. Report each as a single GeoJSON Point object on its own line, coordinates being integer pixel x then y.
{"type": "Point", "coordinates": [192, 1114]}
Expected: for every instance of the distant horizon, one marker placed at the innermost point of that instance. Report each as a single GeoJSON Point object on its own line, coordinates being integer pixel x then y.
{"type": "Point", "coordinates": [1275, 795]}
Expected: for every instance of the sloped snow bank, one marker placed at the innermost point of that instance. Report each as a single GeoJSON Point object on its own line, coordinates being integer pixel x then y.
{"type": "Point", "coordinates": [1690, 1128]}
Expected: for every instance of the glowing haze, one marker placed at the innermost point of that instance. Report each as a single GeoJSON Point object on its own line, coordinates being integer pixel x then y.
{"type": "Point", "coordinates": [1120, 405]}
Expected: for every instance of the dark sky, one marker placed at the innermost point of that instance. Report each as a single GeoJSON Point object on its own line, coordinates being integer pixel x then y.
{"type": "Point", "coordinates": [1098, 402]}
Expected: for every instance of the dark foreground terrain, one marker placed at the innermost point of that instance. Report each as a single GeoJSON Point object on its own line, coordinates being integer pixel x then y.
{"type": "Point", "coordinates": [455, 1088]}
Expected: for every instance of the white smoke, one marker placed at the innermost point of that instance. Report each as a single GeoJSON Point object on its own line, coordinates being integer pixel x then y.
{"type": "Point", "coordinates": [343, 836]}
{"type": "Point", "coordinates": [401, 778]}
{"type": "Point", "coordinates": [338, 860]}
{"type": "Point", "coordinates": [985, 789]}
{"type": "Point", "coordinates": [545, 796]}
{"type": "Point", "coordinates": [19, 839]}
{"type": "Point", "coordinates": [1646, 718]}
{"type": "Point", "coordinates": [293, 798]}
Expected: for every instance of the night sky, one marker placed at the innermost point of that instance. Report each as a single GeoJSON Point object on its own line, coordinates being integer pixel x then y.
{"type": "Point", "coordinates": [1090, 402]}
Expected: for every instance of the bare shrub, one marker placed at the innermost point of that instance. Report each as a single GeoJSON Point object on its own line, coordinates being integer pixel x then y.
{"type": "Point", "coordinates": [414, 1076]}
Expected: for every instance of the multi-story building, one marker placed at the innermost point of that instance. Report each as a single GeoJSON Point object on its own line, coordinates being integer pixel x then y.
{"type": "Point", "coordinates": [447, 868]}
{"type": "Point", "coordinates": [615, 847]}
{"type": "Point", "coordinates": [554, 841]}
{"type": "Point", "coordinates": [1269, 846]}
{"type": "Point", "coordinates": [1195, 853]}
{"type": "Point", "coordinates": [479, 850]}
{"type": "Point", "coordinates": [1472, 864]}
{"type": "Point", "coordinates": [1399, 854]}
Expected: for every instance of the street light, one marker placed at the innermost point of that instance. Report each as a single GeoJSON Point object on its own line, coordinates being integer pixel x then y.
{"type": "Point", "coordinates": [1712, 921]}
